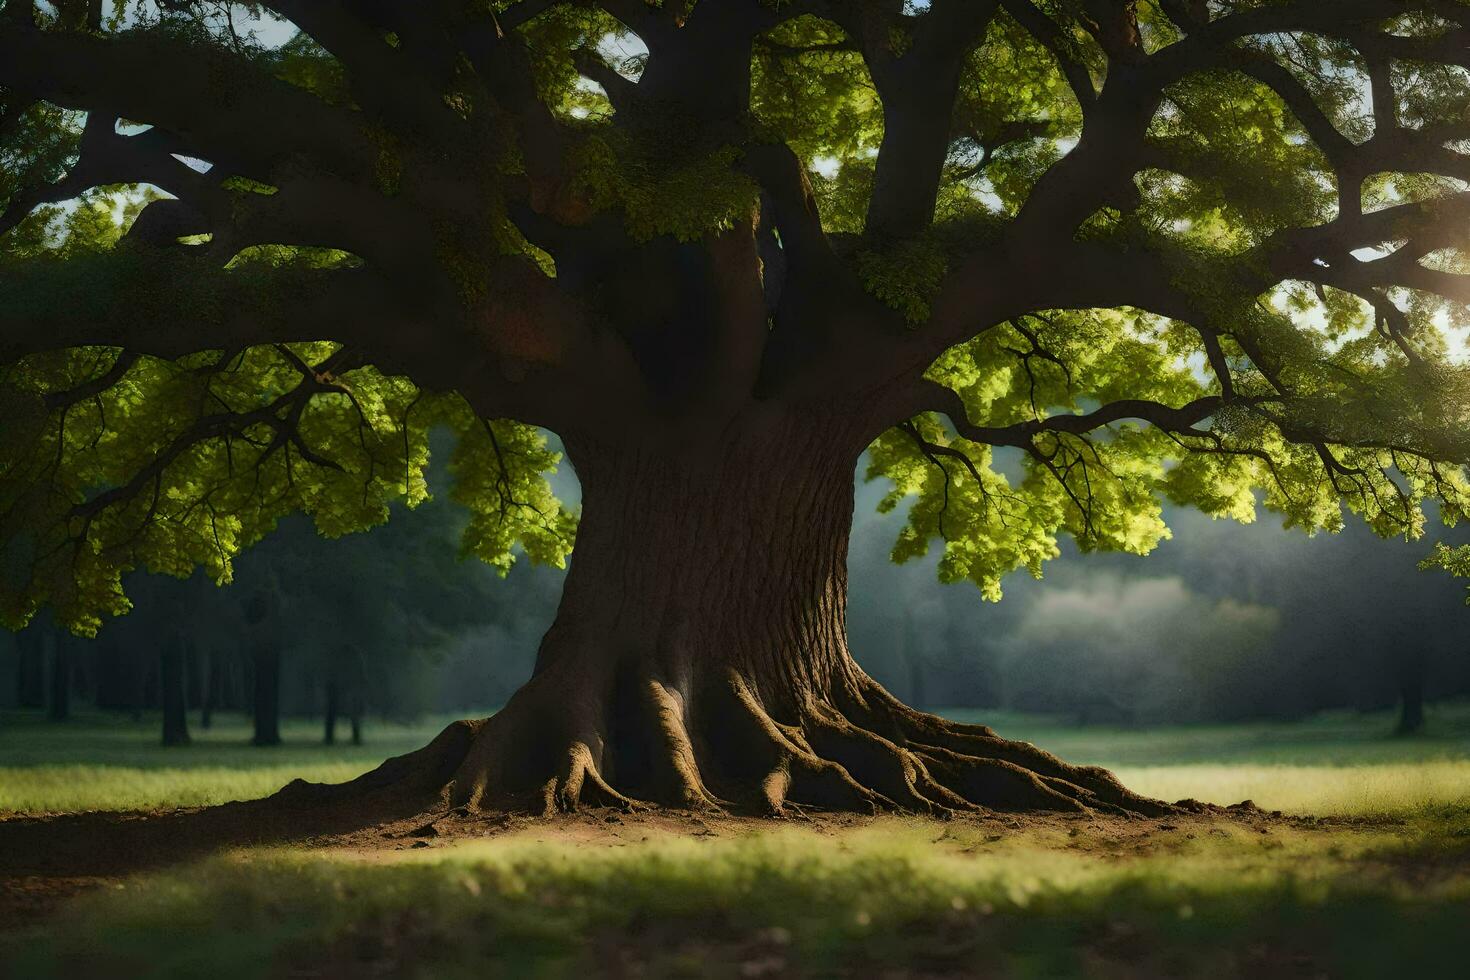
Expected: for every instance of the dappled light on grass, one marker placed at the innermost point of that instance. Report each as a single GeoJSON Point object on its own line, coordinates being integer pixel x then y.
{"type": "Point", "coordinates": [105, 762]}
{"type": "Point", "coordinates": [1356, 790]}
{"type": "Point", "coordinates": [1379, 888]}
{"type": "Point", "coordinates": [1338, 764]}
{"type": "Point", "coordinates": [65, 789]}
{"type": "Point", "coordinates": [911, 895]}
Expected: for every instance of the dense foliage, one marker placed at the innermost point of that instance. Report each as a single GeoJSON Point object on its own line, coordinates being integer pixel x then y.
{"type": "Point", "coordinates": [1255, 297]}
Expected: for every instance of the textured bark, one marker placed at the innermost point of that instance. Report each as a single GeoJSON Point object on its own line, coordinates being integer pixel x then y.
{"type": "Point", "coordinates": [699, 659]}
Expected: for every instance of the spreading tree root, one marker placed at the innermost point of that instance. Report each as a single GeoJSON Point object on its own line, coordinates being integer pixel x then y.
{"type": "Point", "coordinates": [560, 746]}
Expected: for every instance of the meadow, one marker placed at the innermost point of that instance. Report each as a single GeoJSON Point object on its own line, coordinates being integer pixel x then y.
{"type": "Point", "coordinates": [1333, 764]}
{"type": "Point", "coordinates": [1375, 883]}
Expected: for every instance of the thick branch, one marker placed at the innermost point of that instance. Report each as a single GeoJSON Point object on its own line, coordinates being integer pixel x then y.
{"type": "Point", "coordinates": [226, 109]}
{"type": "Point", "coordinates": [170, 304]}
{"type": "Point", "coordinates": [930, 396]}
{"type": "Point", "coordinates": [918, 92]}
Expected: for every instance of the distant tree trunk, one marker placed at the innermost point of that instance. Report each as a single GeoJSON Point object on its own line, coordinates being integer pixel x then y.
{"type": "Point", "coordinates": [209, 685]}
{"type": "Point", "coordinates": [267, 695]}
{"type": "Point", "coordinates": [357, 690]}
{"type": "Point", "coordinates": [229, 693]}
{"type": "Point", "coordinates": [140, 689]}
{"type": "Point", "coordinates": [60, 709]}
{"type": "Point", "coordinates": [1411, 694]}
{"type": "Point", "coordinates": [334, 694]}
{"type": "Point", "coordinates": [262, 617]}
{"type": "Point", "coordinates": [914, 661]}
{"type": "Point", "coordinates": [172, 680]}
{"type": "Point", "coordinates": [30, 669]}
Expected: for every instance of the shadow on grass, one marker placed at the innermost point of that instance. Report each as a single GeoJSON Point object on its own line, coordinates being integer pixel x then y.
{"type": "Point", "coordinates": [893, 900]}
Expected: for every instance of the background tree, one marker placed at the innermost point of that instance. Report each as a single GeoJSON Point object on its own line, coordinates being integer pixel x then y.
{"type": "Point", "coordinates": [1165, 250]}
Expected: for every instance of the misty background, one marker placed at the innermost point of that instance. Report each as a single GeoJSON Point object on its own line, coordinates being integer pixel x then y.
{"type": "Point", "coordinates": [1224, 622]}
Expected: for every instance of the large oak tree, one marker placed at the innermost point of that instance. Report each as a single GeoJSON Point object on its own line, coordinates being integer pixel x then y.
{"type": "Point", "coordinates": [1049, 262]}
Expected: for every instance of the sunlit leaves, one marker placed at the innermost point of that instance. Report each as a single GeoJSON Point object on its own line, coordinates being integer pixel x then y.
{"type": "Point", "coordinates": [1236, 166]}
{"type": "Point", "coordinates": [39, 144]}
{"type": "Point", "coordinates": [1361, 434]}
{"type": "Point", "coordinates": [1016, 113]}
{"type": "Point", "coordinates": [499, 471]}
{"type": "Point", "coordinates": [1456, 561]}
{"type": "Point", "coordinates": [1331, 393]}
{"type": "Point", "coordinates": [182, 464]}
{"type": "Point", "coordinates": [811, 89]}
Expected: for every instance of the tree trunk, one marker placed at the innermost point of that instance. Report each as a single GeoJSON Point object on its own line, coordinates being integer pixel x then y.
{"type": "Point", "coordinates": [172, 690]}
{"type": "Point", "coordinates": [30, 669]}
{"type": "Point", "coordinates": [329, 732]}
{"type": "Point", "coordinates": [60, 708]}
{"type": "Point", "coordinates": [267, 707]}
{"type": "Point", "coordinates": [913, 661]}
{"type": "Point", "coordinates": [699, 660]}
{"type": "Point", "coordinates": [356, 685]}
{"type": "Point", "coordinates": [1411, 694]}
{"type": "Point", "coordinates": [209, 685]}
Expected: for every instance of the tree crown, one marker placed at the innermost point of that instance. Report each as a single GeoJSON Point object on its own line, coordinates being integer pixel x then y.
{"type": "Point", "coordinates": [1052, 261]}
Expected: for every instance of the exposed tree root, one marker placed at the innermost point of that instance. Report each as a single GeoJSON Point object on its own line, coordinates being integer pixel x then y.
{"type": "Point", "coordinates": [566, 742]}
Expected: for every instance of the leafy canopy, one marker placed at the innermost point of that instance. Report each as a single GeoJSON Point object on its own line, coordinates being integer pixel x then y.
{"type": "Point", "coordinates": [1130, 252]}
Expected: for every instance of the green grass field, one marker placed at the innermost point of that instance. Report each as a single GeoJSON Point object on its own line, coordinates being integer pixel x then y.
{"type": "Point", "coordinates": [1382, 889]}
{"type": "Point", "coordinates": [891, 897]}
{"type": "Point", "coordinates": [1334, 764]}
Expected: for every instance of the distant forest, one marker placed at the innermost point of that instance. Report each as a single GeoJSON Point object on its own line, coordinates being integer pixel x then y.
{"type": "Point", "coordinates": [1224, 622]}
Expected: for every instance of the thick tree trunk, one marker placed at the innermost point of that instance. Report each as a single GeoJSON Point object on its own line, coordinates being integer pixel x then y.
{"type": "Point", "coordinates": [172, 690]}
{"type": "Point", "coordinates": [699, 660]}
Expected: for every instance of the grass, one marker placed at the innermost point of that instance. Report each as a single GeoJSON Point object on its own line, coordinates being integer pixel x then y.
{"type": "Point", "coordinates": [1386, 893]}
{"type": "Point", "coordinates": [1334, 764]}
{"type": "Point", "coordinates": [897, 898]}
{"type": "Point", "coordinates": [98, 761]}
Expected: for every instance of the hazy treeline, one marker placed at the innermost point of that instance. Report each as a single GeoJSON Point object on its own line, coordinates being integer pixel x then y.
{"type": "Point", "coordinates": [1223, 622]}
{"type": "Point", "coordinates": [388, 624]}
